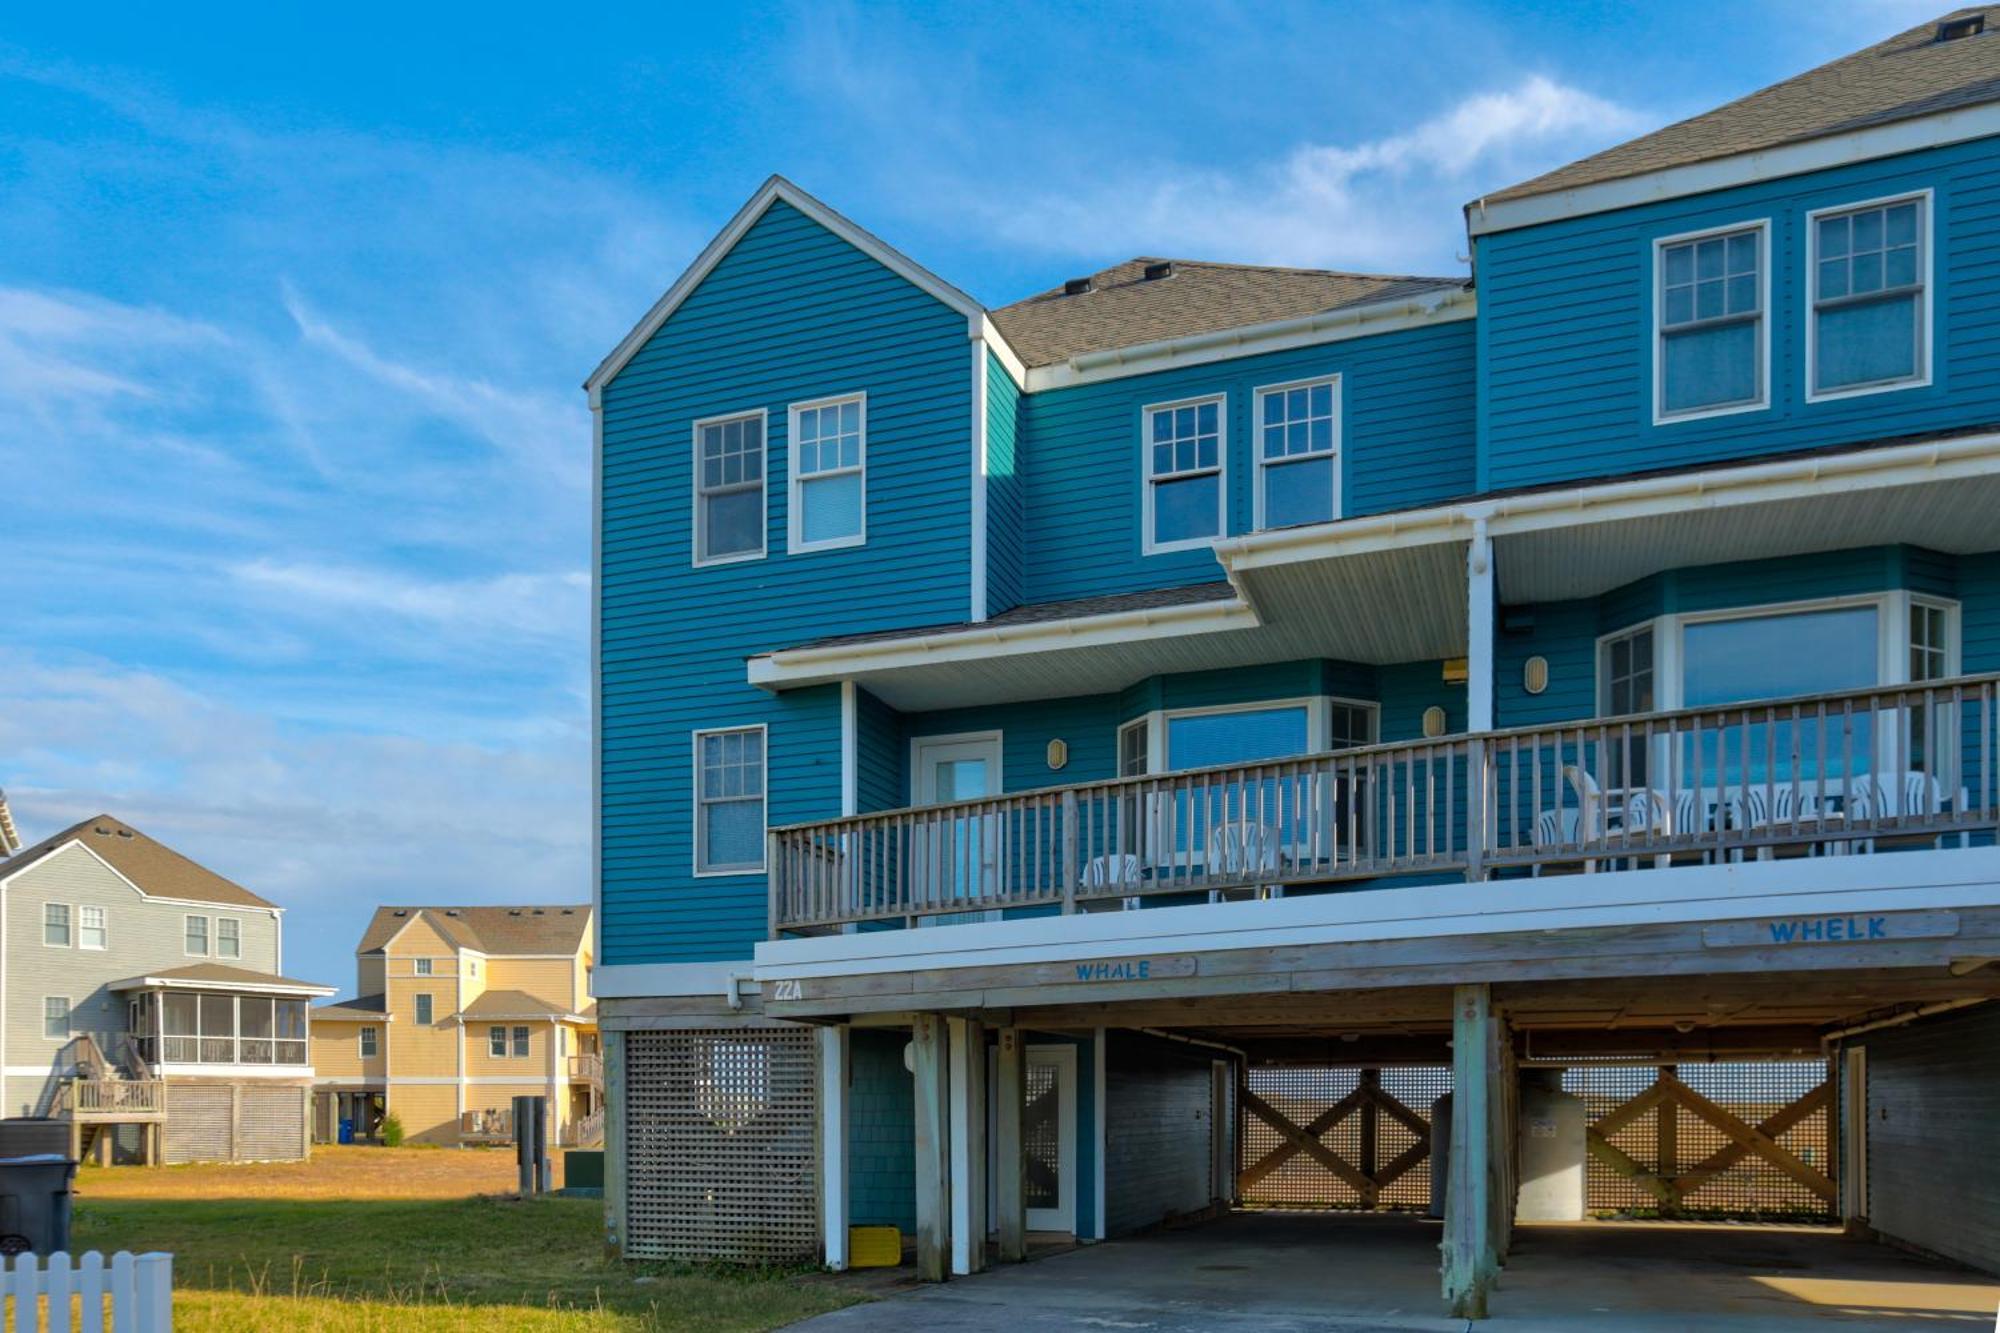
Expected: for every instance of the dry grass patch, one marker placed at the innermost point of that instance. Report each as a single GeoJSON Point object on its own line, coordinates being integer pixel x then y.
{"type": "Point", "coordinates": [331, 1173]}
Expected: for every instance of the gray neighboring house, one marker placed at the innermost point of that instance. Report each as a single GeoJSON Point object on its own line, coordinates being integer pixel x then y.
{"type": "Point", "coordinates": [142, 1002]}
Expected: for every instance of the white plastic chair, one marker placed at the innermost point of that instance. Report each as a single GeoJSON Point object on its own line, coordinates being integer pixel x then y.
{"type": "Point", "coordinates": [1119, 871]}
{"type": "Point", "coordinates": [1243, 850]}
{"type": "Point", "coordinates": [1646, 814]}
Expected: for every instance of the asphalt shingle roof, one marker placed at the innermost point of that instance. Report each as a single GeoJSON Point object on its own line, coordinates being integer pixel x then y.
{"type": "Point", "coordinates": [495, 931]}
{"type": "Point", "coordinates": [158, 870]}
{"type": "Point", "coordinates": [1909, 75]}
{"type": "Point", "coordinates": [1125, 309]}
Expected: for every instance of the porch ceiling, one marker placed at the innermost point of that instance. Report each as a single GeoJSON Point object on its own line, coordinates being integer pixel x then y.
{"type": "Point", "coordinates": [1381, 606]}
{"type": "Point", "coordinates": [1570, 556]}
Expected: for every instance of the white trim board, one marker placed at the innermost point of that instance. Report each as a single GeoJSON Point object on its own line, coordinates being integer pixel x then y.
{"type": "Point", "coordinates": [1721, 173]}
{"type": "Point", "coordinates": [1950, 878]}
{"type": "Point", "coordinates": [634, 981]}
{"type": "Point", "coordinates": [1926, 200]}
{"type": "Point", "coordinates": [771, 191]}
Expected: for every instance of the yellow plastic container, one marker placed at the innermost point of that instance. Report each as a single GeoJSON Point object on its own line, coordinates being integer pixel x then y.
{"type": "Point", "coordinates": [874, 1247]}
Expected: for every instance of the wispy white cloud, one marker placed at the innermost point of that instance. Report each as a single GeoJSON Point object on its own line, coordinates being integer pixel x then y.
{"type": "Point", "coordinates": [1390, 203]}
{"type": "Point", "coordinates": [542, 605]}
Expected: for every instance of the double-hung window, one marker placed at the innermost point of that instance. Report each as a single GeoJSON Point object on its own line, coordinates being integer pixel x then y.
{"type": "Point", "coordinates": [92, 930]}
{"type": "Point", "coordinates": [55, 1017]}
{"type": "Point", "coordinates": [55, 924]}
{"type": "Point", "coordinates": [729, 488]}
{"type": "Point", "coordinates": [423, 967]}
{"type": "Point", "coordinates": [1184, 471]}
{"type": "Point", "coordinates": [1713, 344]}
{"type": "Point", "coordinates": [1869, 316]}
{"type": "Point", "coordinates": [496, 1042]}
{"type": "Point", "coordinates": [422, 1004]}
{"type": "Point", "coordinates": [228, 937]}
{"type": "Point", "coordinates": [521, 1043]}
{"type": "Point", "coordinates": [1298, 459]}
{"type": "Point", "coordinates": [829, 491]}
{"type": "Point", "coordinates": [368, 1043]}
{"type": "Point", "coordinates": [729, 801]}
{"type": "Point", "coordinates": [195, 936]}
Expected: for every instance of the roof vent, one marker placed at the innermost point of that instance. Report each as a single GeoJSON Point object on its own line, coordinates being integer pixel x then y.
{"type": "Point", "coordinates": [513, 911]}
{"type": "Point", "coordinates": [451, 911]}
{"type": "Point", "coordinates": [101, 831]}
{"type": "Point", "coordinates": [538, 911]}
{"type": "Point", "coordinates": [1076, 286]}
{"type": "Point", "coordinates": [1968, 25]}
{"type": "Point", "coordinates": [124, 833]}
{"type": "Point", "coordinates": [569, 911]}
{"type": "Point", "coordinates": [402, 911]}
{"type": "Point", "coordinates": [1163, 269]}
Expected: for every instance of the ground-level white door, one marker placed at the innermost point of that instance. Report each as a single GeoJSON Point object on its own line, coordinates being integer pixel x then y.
{"type": "Point", "coordinates": [1048, 1138]}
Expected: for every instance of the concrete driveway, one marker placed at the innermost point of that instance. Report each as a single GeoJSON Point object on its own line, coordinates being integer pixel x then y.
{"type": "Point", "coordinates": [1290, 1272]}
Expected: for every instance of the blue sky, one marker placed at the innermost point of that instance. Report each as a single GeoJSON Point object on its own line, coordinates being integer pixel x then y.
{"type": "Point", "coordinates": [294, 304]}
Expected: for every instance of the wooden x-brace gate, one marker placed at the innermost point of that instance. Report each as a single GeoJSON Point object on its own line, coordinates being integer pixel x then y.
{"type": "Point", "coordinates": [1668, 1183]}
{"type": "Point", "coordinates": [1368, 1177]}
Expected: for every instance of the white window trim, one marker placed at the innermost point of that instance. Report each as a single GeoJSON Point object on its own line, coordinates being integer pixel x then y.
{"type": "Point", "coordinates": [69, 926]}
{"type": "Point", "coordinates": [1662, 417]}
{"type": "Point", "coordinates": [1319, 721]}
{"type": "Point", "coordinates": [207, 936]}
{"type": "Point", "coordinates": [500, 1030]}
{"type": "Point", "coordinates": [1926, 319]}
{"type": "Point", "coordinates": [421, 967]}
{"type": "Point", "coordinates": [429, 996]}
{"type": "Point", "coordinates": [1261, 466]}
{"type": "Point", "coordinates": [217, 941]}
{"type": "Point", "coordinates": [69, 1018]}
{"type": "Point", "coordinates": [695, 525]}
{"type": "Point", "coordinates": [1146, 479]}
{"type": "Point", "coordinates": [795, 541]}
{"type": "Point", "coordinates": [695, 802]}
{"type": "Point", "coordinates": [521, 1043]}
{"type": "Point", "coordinates": [104, 916]}
{"type": "Point", "coordinates": [361, 1039]}
{"type": "Point", "coordinates": [1892, 639]}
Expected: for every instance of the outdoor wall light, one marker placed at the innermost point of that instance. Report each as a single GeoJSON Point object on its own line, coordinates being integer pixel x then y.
{"type": "Point", "coordinates": [1434, 721]}
{"type": "Point", "coordinates": [1535, 674]}
{"type": "Point", "coordinates": [1058, 753]}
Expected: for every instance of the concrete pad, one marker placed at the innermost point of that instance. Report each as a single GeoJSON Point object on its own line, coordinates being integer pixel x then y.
{"type": "Point", "coordinates": [1344, 1273]}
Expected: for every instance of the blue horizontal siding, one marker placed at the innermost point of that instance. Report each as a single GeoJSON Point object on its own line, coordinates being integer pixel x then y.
{"type": "Point", "coordinates": [791, 313]}
{"type": "Point", "coordinates": [1005, 516]}
{"type": "Point", "coordinates": [1565, 370]}
{"type": "Point", "coordinates": [1408, 427]}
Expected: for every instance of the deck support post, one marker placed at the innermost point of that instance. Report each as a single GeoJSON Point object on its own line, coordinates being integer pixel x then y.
{"type": "Point", "coordinates": [1479, 620]}
{"type": "Point", "coordinates": [1478, 1208]}
{"type": "Point", "coordinates": [968, 1146]}
{"type": "Point", "coordinates": [614, 1142]}
{"type": "Point", "coordinates": [834, 1054]}
{"type": "Point", "coordinates": [928, 1042]}
{"type": "Point", "coordinates": [1009, 1160]}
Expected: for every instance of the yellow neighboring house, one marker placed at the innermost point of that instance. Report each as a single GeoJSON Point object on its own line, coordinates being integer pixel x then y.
{"type": "Point", "coordinates": [460, 1010]}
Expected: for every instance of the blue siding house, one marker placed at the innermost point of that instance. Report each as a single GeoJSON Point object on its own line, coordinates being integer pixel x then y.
{"type": "Point", "coordinates": [1029, 736]}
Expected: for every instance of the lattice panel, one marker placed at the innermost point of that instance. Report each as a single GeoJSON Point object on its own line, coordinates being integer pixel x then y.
{"type": "Point", "coordinates": [721, 1138]}
{"type": "Point", "coordinates": [1301, 1095]}
{"type": "Point", "coordinates": [1752, 1185]}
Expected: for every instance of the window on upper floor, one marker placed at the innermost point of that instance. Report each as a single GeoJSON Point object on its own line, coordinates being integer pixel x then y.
{"type": "Point", "coordinates": [55, 924]}
{"type": "Point", "coordinates": [1298, 459]}
{"type": "Point", "coordinates": [422, 1004]}
{"type": "Point", "coordinates": [1351, 723]}
{"type": "Point", "coordinates": [93, 929]}
{"type": "Point", "coordinates": [1869, 296]}
{"type": "Point", "coordinates": [55, 1017]}
{"type": "Point", "coordinates": [1184, 467]}
{"type": "Point", "coordinates": [369, 1046]}
{"type": "Point", "coordinates": [195, 936]}
{"type": "Point", "coordinates": [423, 967]}
{"type": "Point", "coordinates": [729, 801]}
{"type": "Point", "coordinates": [729, 488]}
{"type": "Point", "coordinates": [1712, 340]}
{"type": "Point", "coordinates": [829, 475]}
{"type": "Point", "coordinates": [496, 1042]}
{"type": "Point", "coordinates": [521, 1042]}
{"type": "Point", "coordinates": [228, 937]}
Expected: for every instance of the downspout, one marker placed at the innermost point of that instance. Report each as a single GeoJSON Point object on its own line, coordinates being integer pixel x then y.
{"type": "Point", "coordinates": [1827, 1041]}
{"type": "Point", "coordinates": [730, 991]}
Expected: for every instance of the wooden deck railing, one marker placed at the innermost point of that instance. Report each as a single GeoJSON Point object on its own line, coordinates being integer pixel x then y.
{"type": "Point", "coordinates": [1827, 774]}
{"type": "Point", "coordinates": [586, 1067]}
{"type": "Point", "coordinates": [84, 1098]}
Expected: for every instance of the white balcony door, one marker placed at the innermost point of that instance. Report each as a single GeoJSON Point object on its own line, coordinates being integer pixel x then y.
{"type": "Point", "coordinates": [957, 858]}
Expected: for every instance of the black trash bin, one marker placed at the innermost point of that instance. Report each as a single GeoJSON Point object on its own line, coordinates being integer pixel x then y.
{"type": "Point", "coordinates": [35, 1203]}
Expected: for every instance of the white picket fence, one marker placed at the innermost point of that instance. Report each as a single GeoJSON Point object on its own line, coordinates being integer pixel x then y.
{"type": "Point", "coordinates": [141, 1288]}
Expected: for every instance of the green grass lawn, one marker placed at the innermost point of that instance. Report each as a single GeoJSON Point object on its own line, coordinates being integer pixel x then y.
{"type": "Point", "coordinates": [426, 1266]}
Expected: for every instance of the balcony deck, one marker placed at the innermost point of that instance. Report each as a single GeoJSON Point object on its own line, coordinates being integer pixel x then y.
{"type": "Point", "coordinates": [1847, 773]}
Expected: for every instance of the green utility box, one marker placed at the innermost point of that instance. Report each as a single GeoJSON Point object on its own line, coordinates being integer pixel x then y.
{"type": "Point", "coordinates": [583, 1173]}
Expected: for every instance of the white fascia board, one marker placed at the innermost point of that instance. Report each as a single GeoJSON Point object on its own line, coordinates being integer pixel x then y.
{"type": "Point", "coordinates": [1748, 890]}
{"type": "Point", "coordinates": [1722, 173]}
{"type": "Point", "coordinates": [1347, 537]}
{"type": "Point", "coordinates": [773, 189]}
{"type": "Point", "coordinates": [204, 904]}
{"type": "Point", "coordinates": [638, 981]}
{"type": "Point", "coordinates": [231, 987]}
{"type": "Point", "coordinates": [983, 328]}
{"type": "Point", "coordinates": [1438, 307]}
{"type": "Point", "coordinates": [793, 668]}
{"type": "Point", "coordinates": [1758, 483]}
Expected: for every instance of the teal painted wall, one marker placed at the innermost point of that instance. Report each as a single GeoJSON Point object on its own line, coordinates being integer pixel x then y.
{"type": "Point", "coordinates": [1006, 519]}
{"type": "Point", "coordinates": [1565, 309]}
{"type": "Point", "coordinates": [792, 313]}
{"type": "Point", "coordinates": [881, 1132]}
{"type": "Point", "coordinates": [1407, 439]}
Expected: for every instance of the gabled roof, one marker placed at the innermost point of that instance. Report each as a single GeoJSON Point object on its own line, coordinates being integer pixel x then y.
{"type": "Point", "coordinates": [513, 1004]}
{"type": "Point", "coordinates": [157, 869]}
{"type": "Point", "coordinates": [220, 976]}
{"type": "Point", "coordinates": [1123, 308]}
{"type": "Point", "coordinates": [774, 189]}
{"type": "Point", "coordinates": [1910, 75]}
{"type": "Point", "coordinates": [493, 931]}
